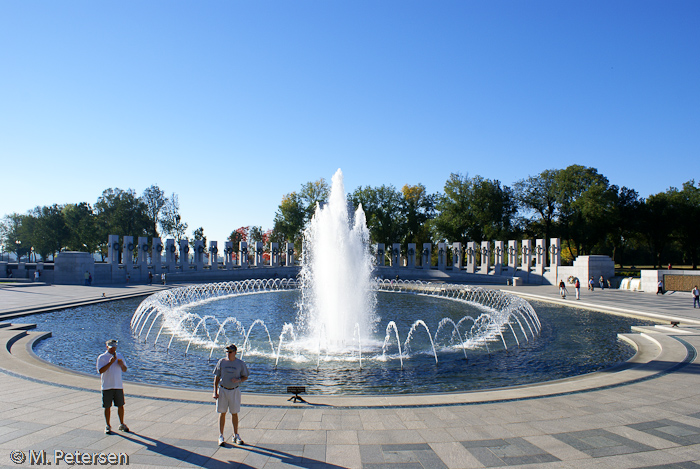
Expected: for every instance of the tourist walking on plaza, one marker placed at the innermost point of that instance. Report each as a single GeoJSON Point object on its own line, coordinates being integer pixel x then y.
{"type": "Point", "coordinates": [696, 297]}
{"type": "Point", "coordinates": [562, 288]}
{"type": "Point", "coordinates": [111, 365]}
{"type": "Point", "coordinates": [591, 284]}
{"type": "Point", "coordinates": [601, 281]}
{"type": "Point", "coordinates": [150, 277]}
{"type": "Point", "coordinates": [660, 288]}
{"type": "Point", "coordinates": [577, 288]}
{"type": "Point", "coordinates": [230, 373]}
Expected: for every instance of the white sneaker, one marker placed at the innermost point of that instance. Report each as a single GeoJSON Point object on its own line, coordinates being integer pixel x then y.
{"type": "Point", "coordinates": [108, 430]}
{"type": "Point", "coordinates": [221, 440]}
{"type": "Point", "coordinates": [237, 440]}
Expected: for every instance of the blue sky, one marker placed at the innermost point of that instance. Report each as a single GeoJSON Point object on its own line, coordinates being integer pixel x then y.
{"type": "Point", "coordinates": [232, 104]}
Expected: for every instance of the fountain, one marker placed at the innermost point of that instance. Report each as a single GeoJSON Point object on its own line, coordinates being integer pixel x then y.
{"type": "Point", "coordinates": [334, 325]}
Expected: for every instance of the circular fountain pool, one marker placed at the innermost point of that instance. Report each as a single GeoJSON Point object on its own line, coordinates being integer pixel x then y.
{"type": "Point", "coordinates": [571, 342]}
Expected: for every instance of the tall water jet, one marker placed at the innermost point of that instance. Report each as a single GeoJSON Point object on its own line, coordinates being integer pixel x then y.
{"type": "Point", "coordinates": [336, 276]}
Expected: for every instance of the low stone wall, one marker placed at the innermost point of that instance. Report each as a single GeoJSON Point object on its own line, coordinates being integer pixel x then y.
{"type": "Point", "coordinates": [681, 281]}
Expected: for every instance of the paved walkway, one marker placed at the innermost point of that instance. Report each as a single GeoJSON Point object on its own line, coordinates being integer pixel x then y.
{"type": "Point", "coordinates": [644, 415]}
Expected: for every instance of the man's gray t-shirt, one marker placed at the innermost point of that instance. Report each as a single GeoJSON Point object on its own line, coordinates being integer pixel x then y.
{"type": "Point", "coordinates": [228, 370]}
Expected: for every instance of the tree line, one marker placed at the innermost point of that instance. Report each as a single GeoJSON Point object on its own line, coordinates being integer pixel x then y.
{"type": "Point", "coordinates": [577, 204]}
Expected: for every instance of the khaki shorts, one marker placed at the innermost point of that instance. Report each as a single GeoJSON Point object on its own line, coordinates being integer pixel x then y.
{"type": "Point", "coordinates": [229, 400]}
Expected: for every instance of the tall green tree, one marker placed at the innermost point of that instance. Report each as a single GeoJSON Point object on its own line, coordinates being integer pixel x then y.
{"type": "Point", "coordinates": [685, 206]}
{"type": "Point", "coordinates": [657, 225]}
{"type": "Point", "coordinates": [475, 209]}
{"type": "Point", "coordinates": [170, 219]}
{"type": "Point", "coordinates": [122, 212]}
{"type": "Point", "coordinates": [155, 201]}
{"type": "Point", "coordinates": [296, 209]}
{"type": "Point", "coordinates": [538, 195]}
{"type": "Point", "coordinates": [49, 233]}
{"type": "Point", "coordinates": [383, 207]}
{"type": "Point", "coordinates": [418, 208]}
{"type": "Point", "coordinates": [81, 223]}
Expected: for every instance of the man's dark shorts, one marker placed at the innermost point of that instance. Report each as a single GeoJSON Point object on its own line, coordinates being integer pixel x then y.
{"type": "Point", "coordinates": [112, 395]}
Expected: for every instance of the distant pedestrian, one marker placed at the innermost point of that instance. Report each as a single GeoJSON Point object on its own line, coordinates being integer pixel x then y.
{"type": "Point", "coordinates": [87, 278]}
{"type": "Point", "coordinates": [660, 287]}
{"type": "Point", "coordinates": [696, 297]}
{"type": "Point", "coordinates": [36, 275]}
{"type": "Point", "coordinates": [601, 281]}
{"type": "Point", "coordinates": [577, 288]}
{"type": "Point", "coordinates": [128, 277]}
{"type": "Point", "coordinates": [562, 288]}
{"type": "Point", "coordinates": [591, 284]}
{"type": "Point", "coordinates": [150, 277]}
{"type": "Point", "coordinates": [162, 278]}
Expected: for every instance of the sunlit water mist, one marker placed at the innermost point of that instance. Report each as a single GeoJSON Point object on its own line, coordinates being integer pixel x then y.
{"type": "Point", "coordinates": [338, 298]}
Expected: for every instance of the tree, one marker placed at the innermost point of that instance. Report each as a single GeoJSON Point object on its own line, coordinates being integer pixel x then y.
{"type": "Point", "coordinates": [12, 231]}
{"type": "Point", "coordinates": [418, 208]}
{"type": "Point", "coordinates": [82, 229]}
{"type": "Point", "coordinates": [122, 212]}
{"type": "Point", "coordinates": [198, 235]}
{"type": "Point", "coordinates": [311, 194]}
{"type": "Point", "coordinates": [170, 220]}
{"type": "Point", "coordinates": [383, 207]}
{"type": "Point", "coordinates": [290, 219]}
{"type": "Point", "coordinates": [155, 201]}
{"type": "Point", "coordinates": [583, 198]}
{"type": "Point", "coordinates": [538, 194]}
{"type": "Point", "coordinates": [657, 224]}
{"type": "Point", "coordinates": [623, 223]}
{"type": "Point", "coordinates": [49, 233]}
{"type": "Point", "coordinates": [685, 206]}
{"type": "Point", "coordinates": [474, 209]}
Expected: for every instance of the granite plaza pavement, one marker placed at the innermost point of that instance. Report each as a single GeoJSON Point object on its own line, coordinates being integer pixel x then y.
{"type": "Point", "coordinates": [646, 414]}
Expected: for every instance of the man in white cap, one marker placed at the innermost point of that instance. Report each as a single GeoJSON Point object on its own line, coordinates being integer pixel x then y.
{"type": "Point", "coordinates": [230, 372]}
{"type": "Point", "coordinates": [111, 365]}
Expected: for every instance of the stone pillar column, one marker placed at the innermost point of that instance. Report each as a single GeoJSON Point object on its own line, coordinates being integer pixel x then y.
{"type": "Point", "coordinates": [499, 251]}
{"type": "Point", "coordinates": [485, 257]}
{"type": "Point", "coordinates": [243, 254]}
{"type": "Point", "coordinates": [289, 247]}
{"type": "Point", "coordinates": [512, 256]}
{"type": "Point", "coordinates": [274, 254]}
{"type": "Point", "coordinates": [380, 255]}
{"type": "Point", "coordinates": [395, 254]}
{"type": "Point", "coordinates": [411, 255]}
{"type": "Point", "coordinates": [457, 256]}
{"type": "Point", "coordinates": [113, 249]}
{"type": "Point", "coordinates": [214, 255]}
{"type": "Point", "coordinates": [184, 255]}
{"type": "Point", "coordinates": [426, 254]}
{"type": "Point", "coordinates": [540, 255]}
{"type": "Point", "coordinates": [170, 250]}
{"type": "Point", "coordinates": [156, 251]}
{"type": "Point", "coordinates": [228, 255]}
{"type": "Point", "coordinates": [471, 257]}
{"type": "Point", "coordinates": [555, 252]}
{"type": "Point", "coordinates": [442, 256]}
{"type": "Point", "coordinates": [128, 253]}
{"type": "Point", "coordinates": [526, 251]}
{"type": "Point", "coordinates": [258, 254]}
{"type": "Point", "coordinates": [142, 256]}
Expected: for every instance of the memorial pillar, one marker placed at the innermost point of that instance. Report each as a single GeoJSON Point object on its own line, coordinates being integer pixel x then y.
{"type": "Point", "coordinates": [526, 251]}
{"type": "Point", "coordinates": [113, 249]}
{"type": "Point", "coordinates": [170, 250]}
{"type": "Point", "coordinates": [471, 257]}
{"type": "Point", "coordinates": [142, 255]}
{"type": "Point", "coordinates": [485, 257]}
{"type": "Point", "coordinates": [274, 254]}
{"type": "Point", "coordinates": [512, 256]}
{"type": "Point", "coordinates": [425, 258]}
{"type": "Point", "coordinates": [380, 255]}
{"type": "Point", "coordinates": [499, 251]}
{"type": "Point", "coordinates": [156, 261]}
{"type": "Point", "coordinates": [214, 255]}
{"type": "Point", "coordinates": [457, 256]}
{"type": "Point", "coordinates": [228, 255]}
{"type": "Point", "coordinates": [128, 254]}
{"type": "Point", "coordinates": [442, 256]}
{"type": "Point", "coordinates": [289, 247]}
{"type": "Point", "coordinates": [395, 254]}
{"type": "Point", "coordinates": [555, 251]}
{"type": "Point", "coordinates": [540, 255]}
{"type": "Point", "coordinates": [184, 255]}
{"type": "Point", "coordinates": [411, 255]}
{"type": "Point", "coordinates": [243, 254]}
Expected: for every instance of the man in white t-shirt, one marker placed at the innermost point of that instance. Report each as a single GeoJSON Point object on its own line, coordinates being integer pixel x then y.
{"type": "Point", "coordinates": [110, 366]}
